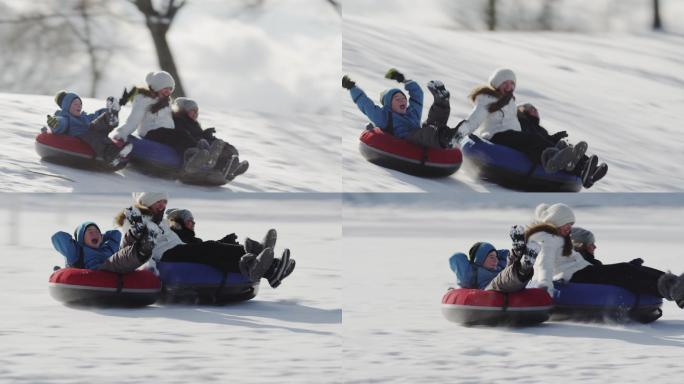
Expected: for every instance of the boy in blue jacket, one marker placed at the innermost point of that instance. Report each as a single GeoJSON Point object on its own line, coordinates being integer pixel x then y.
{"type": "Point", "coordinates": [401, 117]}
{"type": "Point", "coordinates": [90, 249]}
{"type": "Point", "coordinates": [92, 128]}
{"type": "Point", "coordinates": [485, 267]}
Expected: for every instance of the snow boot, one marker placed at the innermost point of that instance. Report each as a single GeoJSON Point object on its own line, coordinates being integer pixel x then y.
{"type": "Point", "coordinates": [600, 172]}
{"type": "Point", "coordinates": [113, 107]}
{"type": "Point", "coordinates": [280, 269]}
{"type": "Point", "coordinates": [215, 152]}
{"type": "Point", "coordinates": [529, 257]}
{"type": "Point", "coordinates": [677, 291]}
{"type": "Point", "coordinates": [146, 244]}
{"type": "Point", "coordinates": [553, 159]}
{"type": "Point", "coordinates": [666, 284]}
{"type": "Point", "coordinates": [195, 160]}
{"type": "Point", "coordinates": [578, 152]}
{"type": "Point", "coordinates": [255, 247]}
{"type": "Point", "coordinates": [235, 168]}
{"type": "Point", "coordinates": [588, 170]}
{"type": "Point", "coordinates": [123, 153]}
{"type": "Point", "coordinates": [239, 170]}
{"type": "Point", "coordinates": [517, 235]}
{"type": "Point", "coordinates": [254, 267]}
{"type": "Point", "coordinates": [439, 92]}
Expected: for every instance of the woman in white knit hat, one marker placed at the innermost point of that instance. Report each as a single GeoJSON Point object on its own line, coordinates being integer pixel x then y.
{"type": "Point", "coordinates": [151, 117]}
{"type": "Point", "coordinates": [148, 212]}
{"type": "Point", "coordinates": [557, 260]}
{"type": "Point", "coordinates": [495, 118]}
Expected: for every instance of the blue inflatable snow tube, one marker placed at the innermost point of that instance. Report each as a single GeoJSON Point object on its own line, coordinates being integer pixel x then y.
{"type": "Point", "coordinates": [581, 301]}
{"type": "Point", "coordinates": [512, 169]}
{"type": "Point", "coordinates": [200, 283]}
{"type": "Point", "coordinates": [155, 158]}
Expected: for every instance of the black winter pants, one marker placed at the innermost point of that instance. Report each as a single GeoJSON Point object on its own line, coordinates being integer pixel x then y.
{"type": "Point", "coordinates": [530, 144]}
{"type": "Point", "coordinates": [637, 279]}
{"type": "Point", "coordinates": [179, 140]}
{"type": "Point", "coordinates": [225, 257]}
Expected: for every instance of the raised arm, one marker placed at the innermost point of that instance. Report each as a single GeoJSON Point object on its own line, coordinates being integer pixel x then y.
{"type": "Point", "coordinates": [65, 244]}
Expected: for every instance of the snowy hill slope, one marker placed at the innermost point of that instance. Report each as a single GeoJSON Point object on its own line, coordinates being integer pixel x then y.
{"type": "Point", "coordinates": [620, 93]}
{"type": "Point", "coordinates": [397, 334]}
{"type": "Point", "coordinates": [286, 153]}
{"type": "Point", "coordinates": [290, 334]}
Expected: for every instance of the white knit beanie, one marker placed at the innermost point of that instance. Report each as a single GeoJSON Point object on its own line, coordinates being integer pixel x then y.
{"type": "Point", "coordinates": [160, 80]}
{"type": "Point", "coordinates": [185, 104]}
{"type": "Point", "coordinates": [146, 199]}
{"type": "Point", "coordinates": [500, 75]}
{"type": "Point", "coordinates": [557, 215]}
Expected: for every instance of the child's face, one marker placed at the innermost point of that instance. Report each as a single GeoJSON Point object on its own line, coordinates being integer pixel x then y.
{"type": "Point", "coordinates": [75, 107]}
{"type": "Point", "coordinates": [399, 104]}
{"type": "Point", "coordinates": [193, 113]}
{"type": "Point", "coordinates": [491, 260]}
{"type": "Point", "coordinates": [507, 86]}
{"type": "Point", "coordinates": [92, 237]}
{"type": "Point", "coordinates": [165, 92]}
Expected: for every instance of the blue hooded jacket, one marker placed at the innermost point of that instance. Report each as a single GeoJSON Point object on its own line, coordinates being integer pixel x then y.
{"type": "Point", "coordinates": [74, 125]}
{"type": "Point", "coordinates": [65, 244]}
{"type": "Point", "coordinates": [402, 124]}
{"type": "Point", "coordinates": [473, 274]}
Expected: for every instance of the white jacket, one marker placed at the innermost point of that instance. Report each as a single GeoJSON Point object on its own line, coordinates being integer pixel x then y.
{"type": "Point", "coordinates": [551, 264]}
{"type": "Point", "coordinates": [166, 239]}
{"type": "Point", "coordinates": [504, 119]}
{"type": "Point", "coordinates": [142, 119]}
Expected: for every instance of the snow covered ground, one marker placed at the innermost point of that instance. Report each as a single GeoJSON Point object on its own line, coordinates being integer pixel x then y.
{"type": "Point", "coordinates": [292, 153]}
{"type": "Point", "coordinates": [396, 270]}
{"type": "Point", "coordinates": [619, 92]}
{"type": "Point", "coordinates": [291, 334]}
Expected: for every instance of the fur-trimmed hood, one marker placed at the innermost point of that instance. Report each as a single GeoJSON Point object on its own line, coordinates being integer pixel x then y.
{"type": "Point", "coordinates": [550, 229]}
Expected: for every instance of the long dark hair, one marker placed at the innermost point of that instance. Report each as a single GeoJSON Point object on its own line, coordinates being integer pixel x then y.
{"type": "Point", "coordinates": [501, 98]}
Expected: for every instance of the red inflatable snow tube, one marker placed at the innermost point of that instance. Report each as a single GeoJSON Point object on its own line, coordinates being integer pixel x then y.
{"type": "Point", "coordinates": [88, 287]}
{"type": "Point", "coordinates": [480, 307]}
{"type": "Point", "coordinates": [388, 151]}
{"type": "Point", "coordinates": [71, 151]}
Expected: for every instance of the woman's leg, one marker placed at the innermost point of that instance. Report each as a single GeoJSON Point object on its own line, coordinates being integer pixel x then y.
{"type": "Point", "coordinates": [225, 257]}
{"type": "Point", "coordinates": [634, 278]}
{"type": "Point", "coordinates": [529, 144]}
{"type": "Point", "coordinates": [179, 140]}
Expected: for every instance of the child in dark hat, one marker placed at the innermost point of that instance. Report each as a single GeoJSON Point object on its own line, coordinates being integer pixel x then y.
{"type": "Point", "coordinates": [92, 128]}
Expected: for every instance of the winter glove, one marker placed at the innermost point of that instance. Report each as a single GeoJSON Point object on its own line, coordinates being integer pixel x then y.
{"type": "Point", "coordinates": [52, 121]}
{"type": "Point", "coordinates": [348, 83]}
{"type": "Point", "coordinates": [558, 136]}
{"type": "Point", "coordinates": [637, 262]}
{"type": "Point", "coordinates": [394, 74]}
{"type": "Point", "coordinates": [208, 134]}
{"type": "Point", "coordinates": [229, 239]}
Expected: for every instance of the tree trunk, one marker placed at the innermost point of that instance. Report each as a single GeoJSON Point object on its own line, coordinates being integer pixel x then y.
{"type": "Point", "coordinates": [657, 24]}
{"type": "Point", "coordinates": [158, 24]}
{"type": "Point", "coordinates": [491, 15]}
{"type": "Point", "coordinates": [164, 55]}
